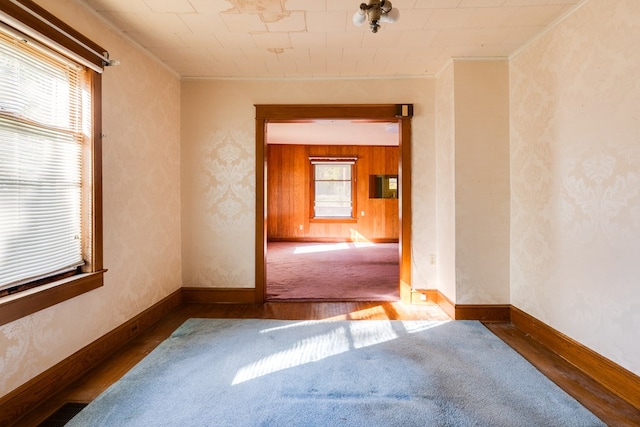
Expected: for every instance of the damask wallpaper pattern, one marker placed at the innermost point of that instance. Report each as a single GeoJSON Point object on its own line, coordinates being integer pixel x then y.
{"type": "Point", "coordinates": [218, 168]}
{"type": "Point", "coordinates": [446, 183]}
{"type": "Point", "coordinates": [481, 94]}
{"type": "Point", "coordinates": [179, 166]}
{"type": "Point", "coordinates": [141, 209]}
{"type": "Point", "coordinates": [575, 176]}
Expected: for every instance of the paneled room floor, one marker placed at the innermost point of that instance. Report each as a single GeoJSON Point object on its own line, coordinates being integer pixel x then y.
{"type": "Point", "coordinates": [600, 401]}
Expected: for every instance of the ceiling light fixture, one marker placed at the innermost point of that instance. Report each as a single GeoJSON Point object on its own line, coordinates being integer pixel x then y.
{"type": "Point", "coordinates": [376, 11]}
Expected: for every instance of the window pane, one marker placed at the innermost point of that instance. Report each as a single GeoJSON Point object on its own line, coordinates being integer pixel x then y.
{"type": "Point", "coordinates": [333, 198]}
{"type": "Point", "coordinates": [333, 190]}
{"type": "Point", "coordinates": [337, 171]}
{"type": "Point", "coordinates": [40, 165]}
{"type": "Point", "coordinates": [324, 209]}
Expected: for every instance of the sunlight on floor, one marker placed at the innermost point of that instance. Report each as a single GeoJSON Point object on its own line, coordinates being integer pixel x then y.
{"type": "Point", "coordinates": [359, 240]}
{"type": "Point", "coordinates": [346, 336]}
{"type": "Point", "coordinates": [325, 247]}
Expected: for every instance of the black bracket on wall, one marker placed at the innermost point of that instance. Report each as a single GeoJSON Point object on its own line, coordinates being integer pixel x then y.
{"type": "Point", "coordinates": [404, 110]}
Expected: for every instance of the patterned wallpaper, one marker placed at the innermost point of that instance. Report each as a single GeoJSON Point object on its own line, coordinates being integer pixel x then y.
{"type": "Point", "coordinates": [141, 185]}
{"type": "Point", "coordinates": [220, 212]}
{"type": "Point", "coordinates": [575, 171]}
{"type": "Point", "coordinates": [472, 145]}
{"type": "Point", "coordinates": [218, 165]}
{"type": "Point", "coordinates": [481, 94]}
{"type": "Point", "coordinates": [446, 183]}
{"type": "Point", "coordinates": [575, 197]}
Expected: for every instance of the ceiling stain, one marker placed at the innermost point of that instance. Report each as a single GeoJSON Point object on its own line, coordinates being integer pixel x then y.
{"type": "Point", "coordinates": [269, 17]}
{"type": "Point", "coordinates": [257, 6]}
{"type": "Point", "coordinates": [270, 11]}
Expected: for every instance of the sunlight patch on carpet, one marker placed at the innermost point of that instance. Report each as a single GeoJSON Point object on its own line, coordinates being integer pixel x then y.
{"type": "Point", "coordinates": [343, 338]}
{"type": "Point", "coordinates": [331, 247]}
{"type": "Point", "coordinates": [321, 248]}
{"type": "Point", "coordinates": [316, 374]}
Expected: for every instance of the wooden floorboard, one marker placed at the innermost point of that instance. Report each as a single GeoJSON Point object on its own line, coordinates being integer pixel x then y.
{"type": "Point", "coordinates": [599, 401]}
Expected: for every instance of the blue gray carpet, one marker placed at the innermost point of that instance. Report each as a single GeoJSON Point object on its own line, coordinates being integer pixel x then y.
{"type": "Point", "coordinates": [246, 372]}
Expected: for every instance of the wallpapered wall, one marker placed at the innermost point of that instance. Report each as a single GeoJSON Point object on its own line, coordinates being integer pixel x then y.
{"type": "Point", "coordinates": [481, 107]}
{"type": "Point", "coordinates": [445, 184]}
{"type": "Point", "coordinates": [218, 168]}
{"type": "Point", "coordinates": [141, 180]}
{"type": "Point", "coordinates": [187, 150]}
{"type": "Point", "coordinates": [472, 174]}
{"type": "Point", "coordinates": [575, 172]}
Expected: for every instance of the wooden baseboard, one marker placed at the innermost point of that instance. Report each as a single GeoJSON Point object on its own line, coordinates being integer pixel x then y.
{"type": "Point", "coordinates": [424, 296]}
{"type": "Point", "coordinates": [446, 304]}
{"type": "Point", "coordinates": [614, 377]}
{"type": "Point", "coordinates": [19, 402]}
{"type": "Point", "coordinates": [219, 295]}
{"type": "Point", "coordinates": [484, 312]}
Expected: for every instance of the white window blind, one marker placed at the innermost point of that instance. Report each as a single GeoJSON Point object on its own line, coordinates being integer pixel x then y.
{"type": "Point", "coordinates": [42, 104]}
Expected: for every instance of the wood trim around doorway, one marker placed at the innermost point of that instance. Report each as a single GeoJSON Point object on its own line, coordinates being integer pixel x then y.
{"type": "Point", "coordinates": [293, 113]}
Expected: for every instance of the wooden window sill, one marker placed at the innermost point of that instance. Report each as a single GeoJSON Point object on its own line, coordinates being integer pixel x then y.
{"type": "Point", "coordinates": [16, 306]}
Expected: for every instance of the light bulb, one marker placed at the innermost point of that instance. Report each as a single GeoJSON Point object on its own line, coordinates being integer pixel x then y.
{"type": "Point", "coordinates": [359, 17]}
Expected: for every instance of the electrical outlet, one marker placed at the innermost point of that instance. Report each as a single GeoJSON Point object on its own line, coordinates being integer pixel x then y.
{"type": "Point", "coordinates": [301, 227]}
{"type": "Point", "coordinates": [432, 259]}
{"type": "Point", "coordinates": [361, 213]}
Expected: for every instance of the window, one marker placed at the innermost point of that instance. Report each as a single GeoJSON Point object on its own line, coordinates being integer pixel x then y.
{"type": "Point", "coordinates": [333, 187]}
{"type": "Point", "coordinates": [50, 184]}
{"type": "Point", "coordinates": [383, 186]}
{"type": "Point", "coordinates": [41, 115]}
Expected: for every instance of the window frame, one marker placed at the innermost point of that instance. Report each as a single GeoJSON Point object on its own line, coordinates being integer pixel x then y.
{"type": "Point", "coordinates": [56, 289]}
{"type": "Point", "coordinates": [313, 160]}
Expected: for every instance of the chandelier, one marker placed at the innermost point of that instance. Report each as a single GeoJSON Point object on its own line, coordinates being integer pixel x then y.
{"type": "Point", "coordinates": [376, 11]}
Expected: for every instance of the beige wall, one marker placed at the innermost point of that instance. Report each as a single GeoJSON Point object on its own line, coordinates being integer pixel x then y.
{"type": "Point", "coordinates": [472, 168]}
{"type": "Point", "coordinates": [218, 168]}
{"type": "Point", "coordinates": [445, 184]}
{"type": "Point", "coordinates": [481, 98]}
{"type": "Point", "coordinates": [575, 172]}
{"type": "Point", "coordinates": [575, 186]}
{"type": "Point", "coordinates": [141, 210]}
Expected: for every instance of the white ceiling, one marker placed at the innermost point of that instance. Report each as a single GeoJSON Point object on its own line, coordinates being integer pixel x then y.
{"type": "Point", "coordinates": [317, 39]}
{"type": "Point", "coordinates": [333, 132]}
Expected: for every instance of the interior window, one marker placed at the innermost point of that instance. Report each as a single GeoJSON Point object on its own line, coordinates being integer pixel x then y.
{"type": "Point", "coordinates": [333, 188]}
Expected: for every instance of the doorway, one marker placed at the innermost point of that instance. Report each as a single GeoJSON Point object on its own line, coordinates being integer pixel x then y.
{"type": "Point", "coordinates": [373, 113]}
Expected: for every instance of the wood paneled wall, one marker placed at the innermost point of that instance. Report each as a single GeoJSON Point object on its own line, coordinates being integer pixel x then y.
{"type": "Point", "coordinates": [289, 191]}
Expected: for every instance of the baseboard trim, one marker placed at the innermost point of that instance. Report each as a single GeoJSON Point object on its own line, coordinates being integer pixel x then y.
{"type": "Point", "coordinates": [219, 295]}
{"type": "Point", "coordinates": [424, 296]}
{"type": "Point", "coordinates": [25, 398]}
{"type": "Point", "coordinates": [483, 312]}
{"type": "Point", "coordinates": [615, 378]}
{"type": "Point", "coordinates": [446, 304]}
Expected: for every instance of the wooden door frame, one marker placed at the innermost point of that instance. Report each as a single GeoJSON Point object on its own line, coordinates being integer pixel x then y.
{"type": "Point", "coordinates": [293, 112]}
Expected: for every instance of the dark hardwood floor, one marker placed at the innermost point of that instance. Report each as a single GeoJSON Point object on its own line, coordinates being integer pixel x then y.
{"type": "Point", "coordinates": [600, 401]}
